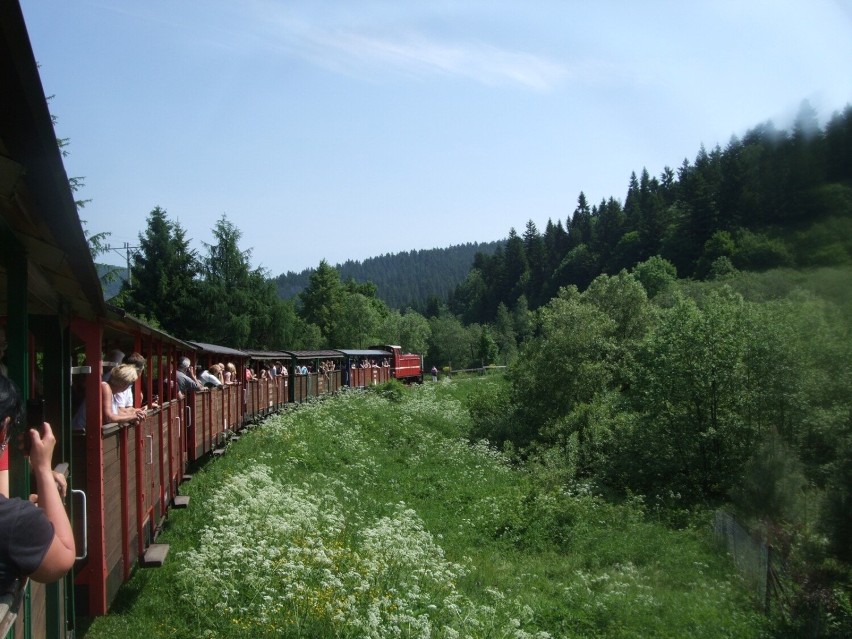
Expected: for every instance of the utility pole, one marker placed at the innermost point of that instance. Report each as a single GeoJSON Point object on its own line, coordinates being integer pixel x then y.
{"type": "Point", "coordinates": [128, 251]}
{"type": "Point", "coordinates": [129, 276]}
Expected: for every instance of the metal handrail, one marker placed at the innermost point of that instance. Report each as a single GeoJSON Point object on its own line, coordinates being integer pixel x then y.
{"type": "Point", "coordinates": [85, 523]}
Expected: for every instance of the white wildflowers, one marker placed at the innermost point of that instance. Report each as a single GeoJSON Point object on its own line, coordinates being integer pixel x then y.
{"type": "Point", "coordinates": [311, 560]}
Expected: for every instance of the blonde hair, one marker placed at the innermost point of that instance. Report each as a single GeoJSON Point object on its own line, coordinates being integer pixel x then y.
{"type": "Point", "coordinates": [231, 367]}
{"type": "Point", "coordinates": [124, 374]}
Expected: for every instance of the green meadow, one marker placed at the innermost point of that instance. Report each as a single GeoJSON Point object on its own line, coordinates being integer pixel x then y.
{"type": "Point", "coordinates": [371, 514]}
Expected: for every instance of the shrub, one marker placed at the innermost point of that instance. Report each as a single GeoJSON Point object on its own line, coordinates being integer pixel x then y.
{"type": "Point", "coordinates": [826, 243]}
{"type": "Point", "coordinates": [758, 252]}
{"type": "Point", "coordinates": [492, 415]}
{"type": "Point", "coordinates": [392, 390]}
{"type": "Point", "coordinates": [773, 482]}
{"type": "Point", "coordinates": [655, 274]}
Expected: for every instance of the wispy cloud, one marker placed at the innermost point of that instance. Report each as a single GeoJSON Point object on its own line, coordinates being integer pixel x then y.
{"type": "Point", "coordinates": [362, 51]}
{"type": "Point", "coordinates": [419, 55]}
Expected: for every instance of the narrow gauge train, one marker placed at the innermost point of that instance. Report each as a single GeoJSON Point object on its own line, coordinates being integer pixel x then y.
{"type": "Point", "coordinates": [123, 478]}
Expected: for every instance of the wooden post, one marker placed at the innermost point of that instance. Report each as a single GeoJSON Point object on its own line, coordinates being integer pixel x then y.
{"type": "Point", "coordinates": [95, 573]}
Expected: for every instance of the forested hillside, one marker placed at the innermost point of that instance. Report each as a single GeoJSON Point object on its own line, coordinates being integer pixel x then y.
{"type": "Point", "coordinates": [112, 278]}
{"type": "Point", "coordinates": [403, 280]}
{"type": "Point", "coordinates": [771, 199]}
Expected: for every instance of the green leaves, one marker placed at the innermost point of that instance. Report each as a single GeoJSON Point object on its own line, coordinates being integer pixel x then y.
{"type": "Point", "coordinates": [181, 292]}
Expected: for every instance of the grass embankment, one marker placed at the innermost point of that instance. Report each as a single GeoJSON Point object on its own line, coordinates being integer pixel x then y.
{"type": "Point", "coordinates": [368, 515]}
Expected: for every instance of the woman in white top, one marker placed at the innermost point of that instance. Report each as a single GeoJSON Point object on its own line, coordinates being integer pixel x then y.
{"type": "Point", "coordinates": [210, 377]}
{"type": "Point", "coordinates": [120, 379]}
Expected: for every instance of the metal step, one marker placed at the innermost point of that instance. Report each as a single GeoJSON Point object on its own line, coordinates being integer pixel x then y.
{"type": "Point", "coordinates": [155, 555]}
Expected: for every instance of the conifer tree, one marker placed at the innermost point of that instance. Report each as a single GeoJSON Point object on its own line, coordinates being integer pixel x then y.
{"type": "Point", "coordinates": [163, 287]}
{"type": "Point", "coordinates": [631, 204]}
{"type": "Point", "coordinates": [650, 223]}
{"type": "Point", "coordinates": [838, 146]}
{"type": "Point", "coordinates": [244, 301]}
{"type": "Point", "coordinates": [537, 261]}
{"type": "Point", "coordinates": [580, 228]}
{"type": "Point", "coordinates": [321, 300]}
{"type": "Point", "coordinates": [555, 244]}
{"type": "Point", "coordinates": [607, 231]}
{"type": "Point", "coordinates": [516, 268]}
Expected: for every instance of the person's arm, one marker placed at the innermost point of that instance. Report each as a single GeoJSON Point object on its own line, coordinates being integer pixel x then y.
{"type": "Point", "coordinates": [106, 404]}
{"type": "Point", "coordinates": [60, 555]}
{"type": "Point", "coordinates": [4, 473]}
{"type": "Point", "coordinates": [127, 405]}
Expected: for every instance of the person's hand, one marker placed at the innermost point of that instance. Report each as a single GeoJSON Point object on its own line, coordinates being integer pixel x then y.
{"type": "Point", "coordinates": [41, 447]}
{"type": "Point", "coordinates": [61, 483]}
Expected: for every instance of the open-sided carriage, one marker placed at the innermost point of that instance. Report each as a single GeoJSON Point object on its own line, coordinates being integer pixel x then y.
{"type": "Point", "coordinates": [314, 373]}
{"type": "Point", "coordinates": [212, 414]}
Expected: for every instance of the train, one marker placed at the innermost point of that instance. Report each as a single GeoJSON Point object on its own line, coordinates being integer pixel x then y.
{"type": "Point", "coordinates": [123, 479]}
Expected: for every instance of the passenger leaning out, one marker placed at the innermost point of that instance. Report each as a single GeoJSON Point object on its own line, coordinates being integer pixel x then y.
{"type": "Point", "coordinates": [121, 378]}
{"type": "Point", "coordinates": [210, 377]}
{"type": "Point", "coordinates": [186, 381]}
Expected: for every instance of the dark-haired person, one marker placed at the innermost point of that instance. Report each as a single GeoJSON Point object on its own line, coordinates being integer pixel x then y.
{"type": "Point", "coordinates": [138, 360]}
{"type": "Point", "coordinates": [36, 540]}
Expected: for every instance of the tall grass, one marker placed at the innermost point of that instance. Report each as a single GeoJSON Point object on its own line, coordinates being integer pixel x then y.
{"type": "Point", "coordinates": [370, 515]}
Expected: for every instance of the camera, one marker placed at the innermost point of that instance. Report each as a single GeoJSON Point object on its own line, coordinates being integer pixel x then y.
{"type": "Point", "coordinates": [35, 419]}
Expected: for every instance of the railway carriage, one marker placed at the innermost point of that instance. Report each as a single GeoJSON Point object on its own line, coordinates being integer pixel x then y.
{"type": "Point", "coordinates": [314, 382]}
{"type": "Point", "coordinates": [266, 395]}
{"type": "Point", "coordinates": [126, 474]}
{"type": "Point", "coordinates": [214, 414]}
{"type": "Point", "coordinates": [355, 374]}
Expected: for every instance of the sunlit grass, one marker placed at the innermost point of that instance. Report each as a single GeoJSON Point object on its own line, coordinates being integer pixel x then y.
{"type": "Point", "coordinates": [365, 516]}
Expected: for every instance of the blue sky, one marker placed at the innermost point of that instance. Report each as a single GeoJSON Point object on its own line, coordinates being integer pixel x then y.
{"type": "Point", "coordinates": [346, 130]}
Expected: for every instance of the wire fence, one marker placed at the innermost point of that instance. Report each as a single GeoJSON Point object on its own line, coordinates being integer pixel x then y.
{"type": "Point", "coordinates": [480, 370]}
{"type": "Point", "coordinates": [761, 566]}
